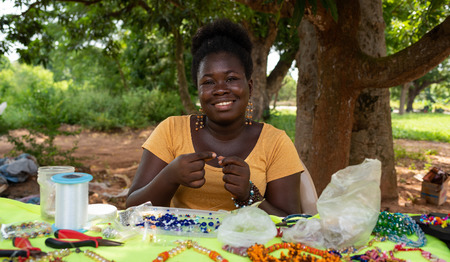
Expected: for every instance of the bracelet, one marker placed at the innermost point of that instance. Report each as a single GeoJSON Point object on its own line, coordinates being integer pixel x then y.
{"type": "Point", "coordinates": [255, 196]}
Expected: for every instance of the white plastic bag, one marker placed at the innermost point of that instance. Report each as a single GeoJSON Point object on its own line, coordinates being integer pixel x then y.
{"type": "Point", "coordinates": [245, 227]}
{"type": "Point", "coordinates": [348, 208]}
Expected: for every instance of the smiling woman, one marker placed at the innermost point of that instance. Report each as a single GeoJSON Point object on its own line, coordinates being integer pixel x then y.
{"type": "Point", "coordinates": [219, 159]}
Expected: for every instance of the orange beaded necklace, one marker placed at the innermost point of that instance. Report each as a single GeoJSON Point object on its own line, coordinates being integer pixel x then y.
{"type": "Point", "coordinates": [182, 246]}
{"type": "Point", "coordinates": [258, 253]}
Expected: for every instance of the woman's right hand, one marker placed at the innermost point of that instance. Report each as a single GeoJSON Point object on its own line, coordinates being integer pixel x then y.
{"type": "Point", "coordinates": [189, 169]}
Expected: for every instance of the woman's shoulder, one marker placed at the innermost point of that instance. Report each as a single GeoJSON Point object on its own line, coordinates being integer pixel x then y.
{"type": "Point", "coordinates": [270, 130]}
{"type": "Point", "coordinates": [176, 120]}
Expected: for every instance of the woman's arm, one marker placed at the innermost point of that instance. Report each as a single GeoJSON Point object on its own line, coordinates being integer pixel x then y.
{"type": "Point", "coordinates": [148, 185]}
{"type": "Point", "coordinates": [157, 181]}
{"type": "Point", "coordinates": [282, 196]}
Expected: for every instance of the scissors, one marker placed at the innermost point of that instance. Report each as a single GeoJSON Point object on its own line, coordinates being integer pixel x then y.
{"type": "Point", "coordinates": [26, 249]}
{"type": "Point", "coordinates": [82, 240]}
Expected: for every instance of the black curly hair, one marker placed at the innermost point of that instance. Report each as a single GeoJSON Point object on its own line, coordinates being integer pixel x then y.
{"type": "Point", "coordinates": [221, 35]}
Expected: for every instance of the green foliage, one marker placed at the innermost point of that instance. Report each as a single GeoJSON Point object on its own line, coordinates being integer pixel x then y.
{"type": "Point", "coordinates": [38, 103]}
{"type": "Point", "coordinates": [285, 120]}
{"type": "Point", "coordinates": [35, 103]}
{"type": "Point", "coordinates": [421, 126]}
{"type": "Point", "coordinates": [104, 111]}
{"type": "Point", "coordinates": [288, 91]}
{"type": "Point", "coordinates": [408, 20]}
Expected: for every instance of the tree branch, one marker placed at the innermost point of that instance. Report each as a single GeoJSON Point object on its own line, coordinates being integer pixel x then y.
{"type": "Point", "coordinates": [275, 78]}
{"type": "Point", "coordinates": [408, 64]}
{"type": "Point", "coordinates": [285, 10]}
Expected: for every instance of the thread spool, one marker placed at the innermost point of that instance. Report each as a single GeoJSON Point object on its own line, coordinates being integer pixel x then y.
{"type": "Point", "coordinates": [72, 199]}
{"type": "Point", "coordinates": [47, 188]}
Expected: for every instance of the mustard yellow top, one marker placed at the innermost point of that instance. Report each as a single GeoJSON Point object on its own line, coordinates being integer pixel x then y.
{"type": "Point", "coordinates": [274, 156]}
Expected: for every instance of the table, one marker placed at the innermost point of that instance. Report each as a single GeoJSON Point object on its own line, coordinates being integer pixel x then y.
{"type": "Point", "coordinates": [135, 249]}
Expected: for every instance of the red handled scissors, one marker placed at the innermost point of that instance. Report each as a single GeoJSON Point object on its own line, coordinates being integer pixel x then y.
{"type": "Point", "coordinates": [82, 240]}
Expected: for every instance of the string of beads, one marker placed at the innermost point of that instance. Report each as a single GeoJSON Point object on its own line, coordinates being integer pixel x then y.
{"type": "Point", "coordinates": [255, 196]}
{"type": "Point", "coordinates": [425, 254]}
{"type": "Point", "coordinates": [296, 253]}
{"type": "Point", "coordinates": [397, 227]}
{"type": "Point", "coordinates": [376, 255]}
{"type": "Point", "coordinates": [182, 246]}
{"type": "Point", "coordinates": [392, 224]}
{"type": "Point", "coordinates": [26, 230]}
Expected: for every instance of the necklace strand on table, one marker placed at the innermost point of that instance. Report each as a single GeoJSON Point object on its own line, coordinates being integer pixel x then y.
{"type": "Point", "coordinates": [182, 246]}
{"type": "Point", "coordinates": [258, 253]}
{"type": "Point", "coordinates": [425, 254]}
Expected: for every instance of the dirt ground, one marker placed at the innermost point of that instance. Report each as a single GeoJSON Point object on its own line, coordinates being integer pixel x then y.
{"type": "Point", "coordinates": [113, 158]}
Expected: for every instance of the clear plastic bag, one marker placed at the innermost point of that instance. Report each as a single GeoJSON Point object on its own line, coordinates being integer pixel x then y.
{"type": "Point", "coordinates": [348, 209]}
{"type": "Point", "coordinates": [245, 227]}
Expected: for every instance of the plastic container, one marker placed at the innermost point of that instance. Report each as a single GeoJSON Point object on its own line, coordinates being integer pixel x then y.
{"type": "Point", "coordinates": [47, 188]}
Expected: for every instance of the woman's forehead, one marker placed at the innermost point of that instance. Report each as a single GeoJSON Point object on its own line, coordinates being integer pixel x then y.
{"type": "Point", "coordinates": [220, 62]}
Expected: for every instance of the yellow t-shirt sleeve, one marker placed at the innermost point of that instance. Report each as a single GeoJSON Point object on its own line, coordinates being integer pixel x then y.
{"type": "Point", "coordinates": [284, 159]}
{"type": "Point", "coordinates": [159, 143]}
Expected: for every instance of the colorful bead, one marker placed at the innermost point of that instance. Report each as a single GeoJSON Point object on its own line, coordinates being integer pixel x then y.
{"type": "Point", "coordinates": [255, 196]}
{"type": "Point", "coordinates": [259, 253]}
{"type": "Point", "coordinates": [26, 230]}
{"type": "Point", "coordinates": [434, 221]}
{"type": "Point", "coordinates": [215, 256]}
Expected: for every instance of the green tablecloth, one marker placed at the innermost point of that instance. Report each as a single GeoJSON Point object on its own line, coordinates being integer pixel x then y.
{"type": "Point", "coordinates": [135, 249]}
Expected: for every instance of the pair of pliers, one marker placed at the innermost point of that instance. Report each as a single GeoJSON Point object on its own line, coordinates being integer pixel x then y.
{"type": "Point", "coordinates": [290, 220]}
{"type": "Point", "coordinates": [82, 240]}
{"type": "Point", "coordinates": [26, 249]}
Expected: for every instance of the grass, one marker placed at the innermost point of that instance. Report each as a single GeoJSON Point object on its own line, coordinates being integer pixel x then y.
{"type": "Point", "coordinates": [413, 126]}
{"type": "Point", "coordinates": [421, 126]}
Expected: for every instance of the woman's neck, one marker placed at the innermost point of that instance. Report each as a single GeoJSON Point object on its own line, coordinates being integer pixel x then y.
{"type": "Point", "coordinates": [225, 132]}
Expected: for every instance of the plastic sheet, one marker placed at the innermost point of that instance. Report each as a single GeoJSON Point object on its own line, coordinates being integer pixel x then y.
{"type": "Point", "coordinates": [245, 227]}
{"type": "Point", "coordinates": [348, 209]}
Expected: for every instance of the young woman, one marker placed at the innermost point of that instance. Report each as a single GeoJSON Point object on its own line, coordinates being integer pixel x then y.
{"type": "Point", "coordinates": [220, 159]}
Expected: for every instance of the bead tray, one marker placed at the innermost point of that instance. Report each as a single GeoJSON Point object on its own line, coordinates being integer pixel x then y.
{"type": "Point", "coordinates": [178, 221]}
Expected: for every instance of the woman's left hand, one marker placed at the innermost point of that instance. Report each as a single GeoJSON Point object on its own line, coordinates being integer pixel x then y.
{"type": "Point", "coordinates": [236, 175]}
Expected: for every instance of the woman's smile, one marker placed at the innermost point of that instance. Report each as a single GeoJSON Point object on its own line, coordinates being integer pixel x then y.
{"type": "Point", "coordinates": [224, 106]}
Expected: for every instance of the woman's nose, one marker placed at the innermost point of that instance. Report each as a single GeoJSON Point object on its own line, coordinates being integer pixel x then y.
{"type": "Point", "coordinates": [221, 88]}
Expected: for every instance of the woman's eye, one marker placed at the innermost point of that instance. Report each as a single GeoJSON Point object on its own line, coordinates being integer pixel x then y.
{"type": "Point", "coordinates": [208, 82]}
{"type": "Point", "coordinates": [230, 79]}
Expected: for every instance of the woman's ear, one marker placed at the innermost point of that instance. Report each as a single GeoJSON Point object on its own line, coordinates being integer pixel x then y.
{"type": "Point", "coordinates": [250, 87]}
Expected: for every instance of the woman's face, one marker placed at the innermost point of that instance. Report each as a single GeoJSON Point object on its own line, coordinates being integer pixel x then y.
{"type": "Point", "coordinates": [223, 88]}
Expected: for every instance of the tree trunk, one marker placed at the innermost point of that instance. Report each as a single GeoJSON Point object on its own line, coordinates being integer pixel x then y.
{"type": "Point", "coordinates": [333, 70]}
{"type": "Point", "coordinates": [411, 96]}
{"type": "Point", "coordinates": [403, 92]}
{"type": "Point", "coordinates": [261, 49]}
{"type": "Point", "coordinates": [372, 130]}
{"type": "Point", "coordinates": [181, 75]}
{"type": "Point", "coordinates": [325, 104]}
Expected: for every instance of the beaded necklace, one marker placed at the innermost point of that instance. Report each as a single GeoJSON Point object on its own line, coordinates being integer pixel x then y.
{"type": "Point", "coordinates": [26, 230]}
{"type": "Point", "coordinates": [346, 252]}
{"type": "Point", "coordinates": [258, 253]}
{"type": "Point", "coordinates": [182, 246]}
{"type": "Point", "coordinates": [427, 255]}
{"type": "Point", "coordinates": [57, 256]}
{"type": "Point", "coordinates": [397, 227]}
{"type": "Point", "coordinates": [376, 255]}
